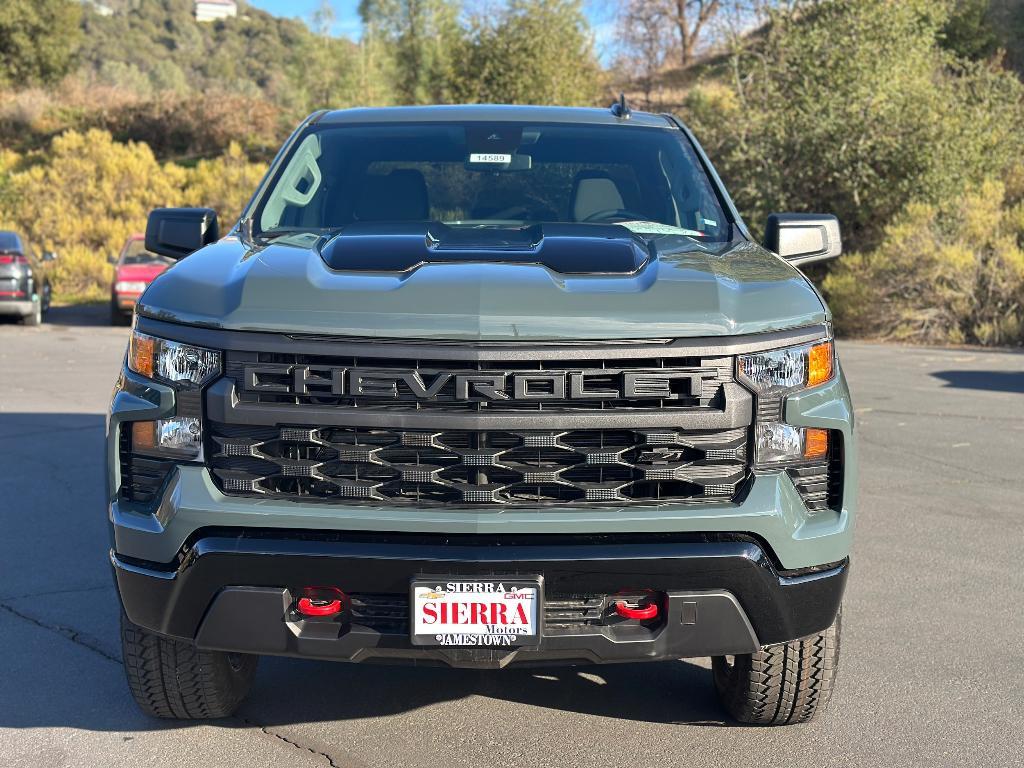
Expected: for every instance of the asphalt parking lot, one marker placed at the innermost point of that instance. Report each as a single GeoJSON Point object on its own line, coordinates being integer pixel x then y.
{"type": "Point", "coordinates": [932, 668]}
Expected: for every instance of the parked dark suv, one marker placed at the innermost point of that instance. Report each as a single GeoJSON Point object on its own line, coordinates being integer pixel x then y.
{"type": "Point", "coordinates": [24, 285]}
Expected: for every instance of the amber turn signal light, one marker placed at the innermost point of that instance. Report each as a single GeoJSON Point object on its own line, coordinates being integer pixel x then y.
{"type": "Point", "coordinates": [141, 353]}
{"type": "Point", "coordinates": [144, 435]}
{"type": "Point", "coordinates": [815, 443]}
{"type": "Point", "coordinates": [819, 364]}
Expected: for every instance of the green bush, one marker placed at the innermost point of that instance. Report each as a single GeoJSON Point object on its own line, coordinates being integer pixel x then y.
{"type": "Point", "coordinates": [943, 273]}
{"type": "Point", "coordinates": [533, 52]}
{"type": "Point", "coordinates": [854, 108]}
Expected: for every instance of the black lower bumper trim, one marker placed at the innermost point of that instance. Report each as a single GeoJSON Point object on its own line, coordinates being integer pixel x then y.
{"type": "Point", "coordinates": [723, 597]}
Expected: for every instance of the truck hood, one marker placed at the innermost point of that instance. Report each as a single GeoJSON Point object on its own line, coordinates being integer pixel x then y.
{"type": "Point", "coordinates": [677, 288]}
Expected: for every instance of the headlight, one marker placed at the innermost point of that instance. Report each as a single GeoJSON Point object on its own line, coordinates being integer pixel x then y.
{"type": "Point", "coordinates": [124, 286]}
{"type": "Point", "coordinates": [179, 437]}
{"type": "Point", "coordinates": [780, 372]}
{"type": "Point", "coordinates": [778, 443]}
{"type": "Point", "coordinates": [171, 361]}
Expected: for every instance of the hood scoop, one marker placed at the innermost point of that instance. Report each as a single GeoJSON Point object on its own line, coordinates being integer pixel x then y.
{"type": "Point", "coordinates": [571, 249]}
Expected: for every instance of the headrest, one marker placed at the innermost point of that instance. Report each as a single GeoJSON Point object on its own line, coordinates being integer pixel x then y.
{"type": "Point", "coordinates": [593, 192]}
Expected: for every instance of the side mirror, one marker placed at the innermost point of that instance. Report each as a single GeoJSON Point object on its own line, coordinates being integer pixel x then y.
{"type": "Point", "coordinates": [177, 232]}
{"type": "Point", "coordinates": [49, 255]}
{"type": "Point", "coordinates": [112, 258]}
{"type": "Point", "coordinates": [803, 238]}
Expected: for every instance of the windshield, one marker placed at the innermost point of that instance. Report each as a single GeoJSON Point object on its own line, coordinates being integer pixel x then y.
{"type": "Point", "coordinates": [135, 253]}
{"type": "Point", "coordinates": [10, 243]}
{"type": "Point", "coordinates": [494, 174]}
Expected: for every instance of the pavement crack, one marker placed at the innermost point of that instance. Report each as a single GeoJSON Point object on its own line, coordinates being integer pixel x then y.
{"type": "Point", "coordinates": [286, 740]}
{"type": "Point", "coordinates": [70, 590]}
{"type": "Point", "coordinates": [66, 632]}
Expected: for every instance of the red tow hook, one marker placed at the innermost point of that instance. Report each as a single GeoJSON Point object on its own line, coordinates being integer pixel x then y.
{"type": "Point", "coordinates": [320, 601]}
{"type": "Point", "coordinates": [640, 613]}
{"type": "Point", "coordinates": [309, 607]}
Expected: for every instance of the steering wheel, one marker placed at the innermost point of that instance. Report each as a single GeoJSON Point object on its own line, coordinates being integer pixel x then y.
{"type": "Point", "coordinates": [615, 213]}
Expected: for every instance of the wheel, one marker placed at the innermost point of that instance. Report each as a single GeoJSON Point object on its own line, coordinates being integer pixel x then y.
{"type": "Point", "coordinates": [175, 680]}
{"type": "Point", "coordinates": [780, 684]}
{"type": "Point", "coordinates": [36, 317]}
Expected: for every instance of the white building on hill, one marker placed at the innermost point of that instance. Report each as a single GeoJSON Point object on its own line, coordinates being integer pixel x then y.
{"type": "Point", "coordinates": [211, 10]}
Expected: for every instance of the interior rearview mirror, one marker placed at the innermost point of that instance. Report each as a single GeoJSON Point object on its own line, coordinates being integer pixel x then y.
{"type": "Point", "coordinates": [177, 232]}
{"type": "Point", "coordinates": [803, 238]}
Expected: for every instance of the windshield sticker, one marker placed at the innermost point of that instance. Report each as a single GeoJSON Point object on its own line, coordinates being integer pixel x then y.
{"type": "Point", "coordinates": [656, 228]}
{"type": "Point", "coordinates": [711, 223]}
{"type": "Point", "coordinates": [490, 158]}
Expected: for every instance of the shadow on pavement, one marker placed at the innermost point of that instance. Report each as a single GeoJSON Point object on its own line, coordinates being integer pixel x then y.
{"type": "Point", "coordinates": [289, 690]}
{"type": "Point", "coordinates": [79, 315]}
{"type": "Point", "coordinates": [991, 381]}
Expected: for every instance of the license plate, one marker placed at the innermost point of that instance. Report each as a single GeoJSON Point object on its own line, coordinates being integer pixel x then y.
{"type": "Point", "coordinates": [493, 613]}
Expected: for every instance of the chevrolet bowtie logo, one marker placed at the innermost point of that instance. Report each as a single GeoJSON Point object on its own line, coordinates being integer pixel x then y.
{"type": "Point", "coordinates": [595, 384]}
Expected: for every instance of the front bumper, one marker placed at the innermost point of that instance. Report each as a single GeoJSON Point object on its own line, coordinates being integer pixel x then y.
{"type": "Point", "coordinates": [126, 301]}
{"type": "Point", "coordinates": [233, 592]}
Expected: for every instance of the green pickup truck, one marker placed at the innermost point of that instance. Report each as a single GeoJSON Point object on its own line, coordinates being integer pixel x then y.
{"type": "Point", "coordinates": [483, 386]}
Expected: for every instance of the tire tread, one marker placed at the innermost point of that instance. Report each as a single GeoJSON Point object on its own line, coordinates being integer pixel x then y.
{"type": "Point", "coordinates": [175, 680]}
{"type": "Point", "coordinates": [781, 684]}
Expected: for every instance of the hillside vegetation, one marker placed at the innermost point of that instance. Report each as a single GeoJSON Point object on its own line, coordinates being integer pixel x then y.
{"type": "Point", "coordinates": [903, 117]}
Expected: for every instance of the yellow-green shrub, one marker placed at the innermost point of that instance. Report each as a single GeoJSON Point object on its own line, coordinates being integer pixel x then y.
{"type": "Point", "coordinates": [951, 273]}
{"type": "Point", "coordinates": [224, 184]}
{"type": "Point", "coordinates": [87, 193]}
{"type": "Point", "coordinates": [81, 275]}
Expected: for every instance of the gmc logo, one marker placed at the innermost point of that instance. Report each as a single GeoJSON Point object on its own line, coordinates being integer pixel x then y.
{"type": "Point", "coordinates": [378, 383]}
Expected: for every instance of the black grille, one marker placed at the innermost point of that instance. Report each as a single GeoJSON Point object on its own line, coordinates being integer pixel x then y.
{"type": "Point", "coordinates": [573, 614]}
{"type": "Point", "coordinates": [141, 477]}
{"type": "Point", "coordinates": [389, 613]}
{"type": "Point", "coordinates": [386, 613]}
{"type": "Point", "coordinates": [526, 467]}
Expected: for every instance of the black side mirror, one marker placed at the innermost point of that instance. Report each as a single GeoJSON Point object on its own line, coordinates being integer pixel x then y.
{"type": "Point", "coordinates": [803, 238]}
{"type": "Point", "coordinates": [177, 232]}
{"type": "Point", "coordinates": [112, 258]}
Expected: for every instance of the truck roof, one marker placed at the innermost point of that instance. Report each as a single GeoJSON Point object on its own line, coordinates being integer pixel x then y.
{"type": "Point", "coordinates": [492, 113]}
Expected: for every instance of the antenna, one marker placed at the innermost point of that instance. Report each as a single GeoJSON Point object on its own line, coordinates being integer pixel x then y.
{"type": "Point", "coordinates": [621, 109]}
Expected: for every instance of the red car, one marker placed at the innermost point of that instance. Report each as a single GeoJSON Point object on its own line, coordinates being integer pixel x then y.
{"type": "Point", "coordinates": [134, 270]}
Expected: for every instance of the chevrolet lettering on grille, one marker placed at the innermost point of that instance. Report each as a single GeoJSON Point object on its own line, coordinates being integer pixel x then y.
{"type": "Point", "coordinates": [597, 384]}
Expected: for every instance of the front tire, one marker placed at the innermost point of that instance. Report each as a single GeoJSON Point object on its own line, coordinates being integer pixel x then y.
{"type": "Point", "coordinates": [780, 684]}
{"type": "Point", "coordinates": [173, 679]}
{"type": "Point", "coordinates": [36, 317]}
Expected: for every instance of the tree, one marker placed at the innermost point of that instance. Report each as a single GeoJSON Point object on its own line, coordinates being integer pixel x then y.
{"type": "Point", "coordinates": [532, 52]}
{"type": "Point", "coordinates": [38, 39]}
{"type": "Point", "coordinates": [690, 17]}
{"type": "Point", "coordinates": [646, 43]}
{"type": "Point", "coordinates": [420, 36]}
{"type": "Point", "coordinates": [969, 32]}
{"type": "Point", "coordinates": [660, 40]}
{"type": "Point", "coordinates": [852, 107]}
